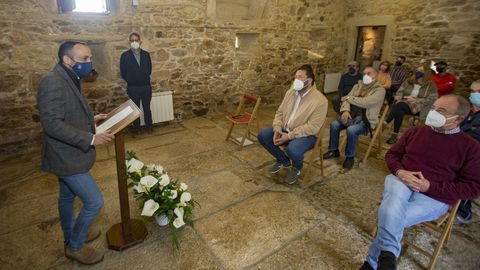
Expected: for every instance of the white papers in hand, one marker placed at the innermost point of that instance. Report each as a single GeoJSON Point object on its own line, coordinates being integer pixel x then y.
{"type": "Point", "coordinates": [116, 118]}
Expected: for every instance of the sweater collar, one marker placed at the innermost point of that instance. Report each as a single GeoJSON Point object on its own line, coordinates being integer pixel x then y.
{"type": "Point", "coordinates": [448, 132]}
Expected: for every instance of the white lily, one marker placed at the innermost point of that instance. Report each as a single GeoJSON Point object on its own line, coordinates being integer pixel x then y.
{"type": "Point", "coordinates": [148, 181]}
{"type": "Point", "coordinates": [164, 180]}
{"type": "Point", "coordinates": [179, 212]}
{"type": "Point", "coordinates": [139, 188]}
{"type": "Point", "coordinates": [178, 222]}
{"type": "Point", "coordinates": [155, 167]}
{"type": "Point", "coordinates": [134, 165]}
{"type": "Point", "coordinates": [173, 194]}
{"type": "Point", "coordinates": [183, 186]}
{"type": "Point", "coordinates": [181, 204]}
{"type": "Point", "coordinates": [159, 168]}
{"type": "Point", "coordinates": [186, 196]}
{"type": "Point", "coordinates": [149, 208]}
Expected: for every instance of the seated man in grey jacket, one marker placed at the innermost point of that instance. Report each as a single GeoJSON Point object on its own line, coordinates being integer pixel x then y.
{"type": "Point", "coordinates": [358, 115]}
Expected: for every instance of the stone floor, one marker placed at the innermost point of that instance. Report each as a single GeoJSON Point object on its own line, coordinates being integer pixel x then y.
{"type": "Point", "coordinates": [248, 219]}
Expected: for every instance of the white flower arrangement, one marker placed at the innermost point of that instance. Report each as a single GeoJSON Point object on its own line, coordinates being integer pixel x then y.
{"type": "Point", "coordinates": [159, 194]}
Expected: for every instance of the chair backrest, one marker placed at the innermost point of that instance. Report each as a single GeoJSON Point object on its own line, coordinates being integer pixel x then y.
{"type": "Point", "coordinates": [250, 97]}
{"type": "Point", "coordinates": [246, 97]}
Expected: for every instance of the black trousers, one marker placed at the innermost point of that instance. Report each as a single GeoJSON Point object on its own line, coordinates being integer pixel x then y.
{"type": "Point", "coordinates": [142, 94]}
{"type": "Point", "coordinates": [390, 94]}
{"type": "Point", "coordinates": [398, 111]}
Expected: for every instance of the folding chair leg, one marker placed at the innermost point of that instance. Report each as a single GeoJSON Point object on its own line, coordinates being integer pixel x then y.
{"type": "Point", "coordinates": [438, 248]}
{"type": "Point", "coordinates": [370, 145]}
{"type": "Point", "coordinates": [244, 137]}
{"type": "Point", "coordinates": [230, 131]}
{"type": "Point", "coordinates": [321, 162]}
{"type": "Point", "coordinates": [310, 164]}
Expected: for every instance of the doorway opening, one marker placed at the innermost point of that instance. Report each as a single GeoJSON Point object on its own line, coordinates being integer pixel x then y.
{"type": "Point", "coordinates": [369, 47]}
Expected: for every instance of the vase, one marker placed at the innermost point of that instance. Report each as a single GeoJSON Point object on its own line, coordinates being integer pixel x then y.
{"type": "Point", "coordinates": [162, 220]}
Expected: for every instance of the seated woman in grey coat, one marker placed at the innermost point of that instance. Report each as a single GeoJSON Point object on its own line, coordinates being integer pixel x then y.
{"type": "Point", "coordinates": [414, 97]}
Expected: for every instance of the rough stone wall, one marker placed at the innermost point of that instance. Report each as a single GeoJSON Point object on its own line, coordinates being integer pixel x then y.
{"type": "Point", "coordinates": [435, 29]}
{"type": "Point", "coordinates": [192, 50]}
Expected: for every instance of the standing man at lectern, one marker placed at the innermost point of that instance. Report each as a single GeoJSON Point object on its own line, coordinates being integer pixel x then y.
{"type": "Point", "coordinates": [135, 68]}
{"type": "Point", "coordinates": [68, 149]}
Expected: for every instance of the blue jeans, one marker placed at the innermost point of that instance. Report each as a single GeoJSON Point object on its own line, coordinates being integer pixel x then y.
{"type": "Point", "coordinates": [83, 186]}
{"type": "Point", "coordinates": [296, 148]}
{"type": "Point", "coordinates": [400, 208]}
{"type": "Point", "coordinates": [353, 132]}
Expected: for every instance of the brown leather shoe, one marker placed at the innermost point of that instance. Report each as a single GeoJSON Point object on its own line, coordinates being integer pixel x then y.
{"type": "Point", "coordinates": [86, 255]}
{"type": "Point", "coordinates": [93, 234]}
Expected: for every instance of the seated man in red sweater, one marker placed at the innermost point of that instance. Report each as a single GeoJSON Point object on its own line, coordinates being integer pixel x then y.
{"type": "Point", "coordinates": [445, 81]}
{"type": "Point", "coordinates": [432, 167]}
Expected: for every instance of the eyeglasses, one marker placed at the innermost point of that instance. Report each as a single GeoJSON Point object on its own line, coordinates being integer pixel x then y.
{"type": "Point", "coordinates": [441, 110]}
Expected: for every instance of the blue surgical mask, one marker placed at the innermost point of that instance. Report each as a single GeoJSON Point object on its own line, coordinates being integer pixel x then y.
{"type": "Point", "coordinates": [82, 69]}
{"type": "Point", "coordinates": [419, 74]}
{"type": "Point", "coordinates": [475, 98]}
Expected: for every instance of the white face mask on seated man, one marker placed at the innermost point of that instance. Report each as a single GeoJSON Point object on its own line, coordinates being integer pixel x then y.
{"type": "Point", "coordinates": [299, 84]}
{"type": "Point", "coordinates": [436, 119]}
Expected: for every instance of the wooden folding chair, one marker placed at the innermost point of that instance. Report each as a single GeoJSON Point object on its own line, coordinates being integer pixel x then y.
{"type": "Point", "coordinates": [376, 135]}
{"type": "Point", "coordinates": [241, 117]}
{"type": "Point", "coordinates": [311, 160]}
{"type": "Point", "coordinates": [442, 225]}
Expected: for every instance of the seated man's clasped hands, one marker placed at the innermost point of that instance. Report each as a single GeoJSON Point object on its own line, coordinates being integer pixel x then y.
{"type": "Point", "coordinates": [297, 122]}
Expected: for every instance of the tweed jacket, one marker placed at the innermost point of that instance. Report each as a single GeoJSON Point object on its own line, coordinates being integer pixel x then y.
{"type": "Point", "coordinates": [68, 125]}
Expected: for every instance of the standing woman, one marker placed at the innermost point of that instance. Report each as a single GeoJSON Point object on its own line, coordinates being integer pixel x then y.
{"type": "Point", "coordinates": [415, 97]}
{"type": "Point", "coordinates": [383, 75]}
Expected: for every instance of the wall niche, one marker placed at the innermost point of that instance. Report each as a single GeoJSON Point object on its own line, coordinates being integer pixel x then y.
{"type": "Point", "coordinates": [246, 42]}
{"type": "Point", "coordinates": [238, 10]}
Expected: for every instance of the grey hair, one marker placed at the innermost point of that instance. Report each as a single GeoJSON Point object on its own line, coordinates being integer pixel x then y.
{"type": "Point", "coordinates": [375, 71]}
{"type": "Point", "coordinates": [463, 108]}
{"type": "Point", "coordinates": [475, 82]}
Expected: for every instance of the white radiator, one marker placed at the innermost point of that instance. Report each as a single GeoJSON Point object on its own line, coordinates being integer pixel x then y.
{"type": "Point", "coordinates": [161, 107]}
{"type": "Point", "coordinates": [331, 82]}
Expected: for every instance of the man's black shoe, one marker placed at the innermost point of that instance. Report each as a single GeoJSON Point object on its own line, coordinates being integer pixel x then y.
{"type": "Point", "coordinates": [331, 154]}
{"type": "Point", "coordinates": [366, 266]}
{"type": "Point", "coordinates": [348, 163]}
{"type": "Point", "coordinates": [386, 261]}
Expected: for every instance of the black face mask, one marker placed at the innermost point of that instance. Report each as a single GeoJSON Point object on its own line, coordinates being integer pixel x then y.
{"type": "Point", "coordinates": [351, 70]}
{"type": "Point", "coordinates": [398, 63]}
{"type": "Point", "coordinates": [440, 69]}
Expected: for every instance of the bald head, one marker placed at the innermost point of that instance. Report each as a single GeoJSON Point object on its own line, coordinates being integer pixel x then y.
{"type": "Point", "coordinates": [370, 71]}
{"type": "Point", "coordinates": [475, 86]}
{"type": "Point", "coordinates": [454, 108]}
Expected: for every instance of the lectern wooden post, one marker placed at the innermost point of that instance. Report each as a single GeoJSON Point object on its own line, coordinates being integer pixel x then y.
{"type": "Point", "coordinates": [130, 231]}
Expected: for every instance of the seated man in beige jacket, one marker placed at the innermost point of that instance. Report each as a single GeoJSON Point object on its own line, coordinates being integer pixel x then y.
{"type": "Point", "coordinates": [358, 115]}
{"type": "Point", "coordinates": [297, 122]}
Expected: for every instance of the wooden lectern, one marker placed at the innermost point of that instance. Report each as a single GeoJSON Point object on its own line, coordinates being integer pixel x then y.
{"type": "Point", "coordinates": [130, 231]}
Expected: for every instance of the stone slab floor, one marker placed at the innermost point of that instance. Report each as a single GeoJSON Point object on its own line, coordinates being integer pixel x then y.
{"type": "Point", "coordinates": [248, 219]}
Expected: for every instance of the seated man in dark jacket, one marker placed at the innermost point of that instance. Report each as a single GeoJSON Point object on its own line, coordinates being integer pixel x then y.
{"type": "Point", "coordinates": [346, 84]}
{"type": "Point", "coordinates": [431, 168]}
{"type": "Point", "coordinates": [471, 126]}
